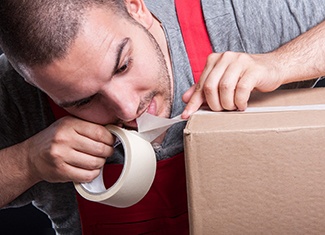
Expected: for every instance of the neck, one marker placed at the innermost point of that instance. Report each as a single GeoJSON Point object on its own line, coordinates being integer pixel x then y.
{"type": "Point", "coordinates": [157, 31]}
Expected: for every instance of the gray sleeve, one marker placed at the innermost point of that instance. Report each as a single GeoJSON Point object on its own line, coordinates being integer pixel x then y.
{"type": "Point", "coordinates": [266, 25]}
{"type": "Point", "coordinates": [255, 26]}
{"type": "Point", "coordinates": [24, 111]}
{"type": "Point", "coordinates": [59, 202]}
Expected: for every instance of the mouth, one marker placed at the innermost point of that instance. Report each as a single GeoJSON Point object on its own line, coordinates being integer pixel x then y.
{"type": "Point", "coordinates": [151, 109]}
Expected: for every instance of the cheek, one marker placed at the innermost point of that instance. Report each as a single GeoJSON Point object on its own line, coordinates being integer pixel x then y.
{"type": "Point", "coordinates": [147, 65]}
{"type": "Point", "coordinates": [146, 74]}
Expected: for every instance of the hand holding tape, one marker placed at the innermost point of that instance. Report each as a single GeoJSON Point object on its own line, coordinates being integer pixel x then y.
{"type": "Point", "coordinates": [136, 177]}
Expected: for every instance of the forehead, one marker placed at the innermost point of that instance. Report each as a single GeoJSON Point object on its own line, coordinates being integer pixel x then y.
{"type": "Point", "coordinates": [98, 34]}
{"type": "Point", "coordinates": [95, 46]}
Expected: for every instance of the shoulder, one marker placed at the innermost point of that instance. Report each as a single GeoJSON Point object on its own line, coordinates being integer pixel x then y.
{"type": "Point", "coordinates": [24, 109]}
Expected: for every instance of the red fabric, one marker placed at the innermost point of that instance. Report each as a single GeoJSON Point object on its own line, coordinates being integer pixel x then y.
{"type": "Point", "coordinates": [164, 209]}
{"type": "Point", "coordinates": [57, 111]}
{"type": "Point", "coordinates": [194, 33]}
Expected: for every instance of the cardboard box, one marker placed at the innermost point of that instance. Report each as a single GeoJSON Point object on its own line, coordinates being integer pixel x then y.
{"type": "Point", "coordinates": [258, 173]}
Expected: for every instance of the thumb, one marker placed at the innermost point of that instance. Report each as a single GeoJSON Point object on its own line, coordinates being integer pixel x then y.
{"type": "Point", "coordinates": [195, 98]}
{"type": "Point", "coordinates": [188, 94]}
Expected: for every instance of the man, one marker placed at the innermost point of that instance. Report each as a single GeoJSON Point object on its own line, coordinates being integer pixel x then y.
{"type": "Point", "coordinates": [110, 61]}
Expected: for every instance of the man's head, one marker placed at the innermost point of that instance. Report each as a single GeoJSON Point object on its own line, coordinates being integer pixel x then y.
{"type": "Point", "coordinates": [36, 32]}
{"type": "Point", "coordinates": [95, 58]}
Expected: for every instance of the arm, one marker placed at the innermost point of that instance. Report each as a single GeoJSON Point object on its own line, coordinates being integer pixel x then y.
{"type": "Point", "coordinates": [15, 177]}
{"type": "Point", "coordinates": [229, 78]}
{"type": "Point", "coordinates": [69, 150]}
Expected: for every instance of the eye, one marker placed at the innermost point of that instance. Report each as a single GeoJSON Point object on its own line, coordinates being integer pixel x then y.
{"type": "Point", "coordinates": [83, 103]}
{"type": "Point", "coordinates": [124, 67]}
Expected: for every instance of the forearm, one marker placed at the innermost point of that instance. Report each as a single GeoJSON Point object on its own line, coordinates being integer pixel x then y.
{"type": "Point", "coordinates": [304, 57]}
{"type": "Point", "coordinates": [15, 173]}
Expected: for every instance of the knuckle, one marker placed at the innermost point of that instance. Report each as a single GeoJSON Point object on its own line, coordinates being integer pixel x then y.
{"type": "Point", "coordinates": [101, 149]}
{"type": "Point", "coordinates": [208, 89]}
{"type": "Point", "coordinates": [243, 86]}
{"type": "Point", "coordinates": [225, 85]}
{"type": "Point", "coordinates": [94, 164]}
{"type": "Point", "coordinates": [99, 133]}
{"type": "Point", "coordinates": [62, 122]}
{"type": "Point", "coordinates": [55, 152]}
{"type": "Point", "coordinates": [89, 176]}
{"type": "Point", "coordinates": [242, 57]}
{"type": "Point", "coordinates": [198, 87]}
{"type": "Point", "coordinates": [235, 56]}
{"type": "Point", "coordinates": [59, 137]}
{"type": "Point", "coordinates": [211, 58]}
{"type": "Point", "coordinates": [228, 54]}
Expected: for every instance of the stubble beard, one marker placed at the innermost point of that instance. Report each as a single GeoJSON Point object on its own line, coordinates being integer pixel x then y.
{"type": "Point", "coordinates": [163, 78]}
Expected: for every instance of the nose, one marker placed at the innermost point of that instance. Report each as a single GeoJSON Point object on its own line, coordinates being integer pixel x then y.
{"type": "Point", "coordinates": [122, 101]}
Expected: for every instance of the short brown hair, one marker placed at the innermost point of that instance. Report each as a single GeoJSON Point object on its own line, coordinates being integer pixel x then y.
{"type": "Point", "coordinates": [38, 31]}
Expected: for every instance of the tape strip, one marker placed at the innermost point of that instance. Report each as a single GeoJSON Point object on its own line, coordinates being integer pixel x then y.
{"type": "Point", "coordinates": [136, 178]}
{"type": "Point", "coordinates": [266, 109]}
{"type": "Point", "coordinates": [150, 126]}
{"type": "Point", "coordinates": [285, 108]}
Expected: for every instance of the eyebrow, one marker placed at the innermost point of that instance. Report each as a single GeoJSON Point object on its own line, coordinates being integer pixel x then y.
{"type": "Point", "coordinates": [118, 54]}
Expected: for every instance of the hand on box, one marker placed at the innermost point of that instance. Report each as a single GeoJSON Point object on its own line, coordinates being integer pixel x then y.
{"type": "Point", "coordinates": [228, 80]}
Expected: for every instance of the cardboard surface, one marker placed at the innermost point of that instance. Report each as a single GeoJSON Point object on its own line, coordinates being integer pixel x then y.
{"type": "Point", "coordinates": [258, 173]}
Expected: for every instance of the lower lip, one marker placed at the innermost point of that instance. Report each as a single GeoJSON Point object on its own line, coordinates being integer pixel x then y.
{"type": "Point", "coordinates": [152, 108]}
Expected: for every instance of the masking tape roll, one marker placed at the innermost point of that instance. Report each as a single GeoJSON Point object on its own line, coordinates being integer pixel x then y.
{"type": "Point", "coordinates": [136, 178]}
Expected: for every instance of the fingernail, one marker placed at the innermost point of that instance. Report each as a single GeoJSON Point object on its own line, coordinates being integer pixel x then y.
{"type": "Point", "coordinates": [185, 114]}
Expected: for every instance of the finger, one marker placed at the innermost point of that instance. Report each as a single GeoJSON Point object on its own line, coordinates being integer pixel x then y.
{"type": "Point", "coordinates": [92, 147]}
{"type": "Point", "coordinates": [83, 169]}
{"type": "Point", "coordinates": [197, 97]}
{"type": "Point", "coordinates": [187, 95]}
{"type": "Point", "coordinates": [211, 92]}
{"type": "Point", "coordinates": [80, 175]}
{"type": "Point", "coordinates": [194, 103]}
{"type": "Point", "coordinates": [86, 176]}
{"type": "Point", "coordinates": [212, 84]}
{"type": "Point", "coordinates": [243, 90]}
{"type": "Point", "coordinates": [85, 161]}
{"type": "Point", "coordinates": [227, 87]}
{"type": "Point", "coordinates": [95, 132]}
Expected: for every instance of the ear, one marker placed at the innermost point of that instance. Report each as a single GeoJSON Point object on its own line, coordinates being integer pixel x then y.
{"type": "Point", "coordinates": [139, 11]}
